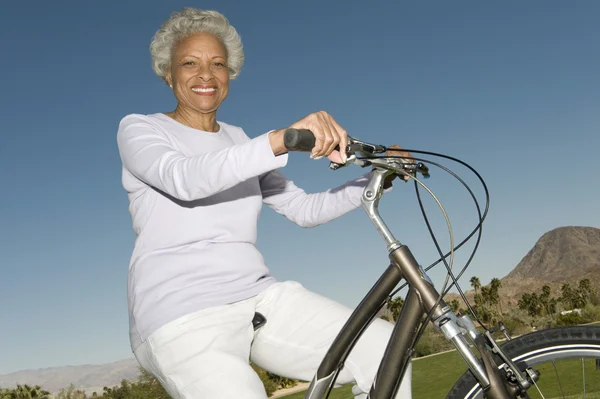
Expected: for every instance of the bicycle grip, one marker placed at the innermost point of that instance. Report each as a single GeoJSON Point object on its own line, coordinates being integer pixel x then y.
{"type": "Point", "coordinates": [299, 139]}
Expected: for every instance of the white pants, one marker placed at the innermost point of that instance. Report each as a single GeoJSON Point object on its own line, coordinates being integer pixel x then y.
{"type": "Point", "coordinates": [206, 354]}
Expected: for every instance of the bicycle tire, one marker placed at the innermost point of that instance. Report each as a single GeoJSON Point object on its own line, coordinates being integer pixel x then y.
{"type": "Point", "coordinates": [550, 344]}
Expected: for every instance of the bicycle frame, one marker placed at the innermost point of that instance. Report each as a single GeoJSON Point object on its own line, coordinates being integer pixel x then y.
{"type": "Point", "coordinates": [422, 298]}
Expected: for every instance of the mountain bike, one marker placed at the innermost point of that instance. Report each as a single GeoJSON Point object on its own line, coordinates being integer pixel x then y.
{"type": "Point", "coordinates": [510, 370]}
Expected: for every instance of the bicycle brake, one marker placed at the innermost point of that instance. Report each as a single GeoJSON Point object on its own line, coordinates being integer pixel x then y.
{"type": "Point", "coordinates": [357, 146]}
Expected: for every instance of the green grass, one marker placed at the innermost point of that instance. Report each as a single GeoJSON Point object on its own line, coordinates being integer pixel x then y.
{"type": "Point", "coordinates": [434, 376]}
{"type": "Point", "coordinates": [344, 392]}
{"type": "Point", "coordinates": [571, 377]}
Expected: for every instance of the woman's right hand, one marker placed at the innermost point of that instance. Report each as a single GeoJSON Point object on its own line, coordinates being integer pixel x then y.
{"type": "Point", "coordinates": [328, 135]}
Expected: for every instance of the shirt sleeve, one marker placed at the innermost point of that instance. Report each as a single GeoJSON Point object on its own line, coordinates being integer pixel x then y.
{"type": "Point", "coordinates": [149, 155]}
{"type": "Point", "coordinates": [309, 210]}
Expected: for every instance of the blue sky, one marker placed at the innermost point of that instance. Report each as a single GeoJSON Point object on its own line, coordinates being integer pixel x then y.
{"type": "Point", "coordinates": [511, 88]}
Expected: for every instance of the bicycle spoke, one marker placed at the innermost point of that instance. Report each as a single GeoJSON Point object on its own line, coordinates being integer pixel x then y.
{"type": "Point", "coordinates": [558, 379]}
{"type": "Point", "coordinates": [583, 369]}
{"type": "Point", "coordinates": [538, 388]}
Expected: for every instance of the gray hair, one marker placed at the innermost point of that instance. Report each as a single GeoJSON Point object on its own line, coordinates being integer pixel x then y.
{"type": "Point", "coordinates": [188, 22]}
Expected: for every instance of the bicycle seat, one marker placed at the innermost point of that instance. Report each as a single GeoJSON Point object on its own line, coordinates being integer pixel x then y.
{"type": "Point", "coordinates": [258, 321]}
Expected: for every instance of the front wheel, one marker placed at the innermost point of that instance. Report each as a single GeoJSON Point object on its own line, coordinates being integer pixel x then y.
{"type": "Point", "coordinates": [568, 359]}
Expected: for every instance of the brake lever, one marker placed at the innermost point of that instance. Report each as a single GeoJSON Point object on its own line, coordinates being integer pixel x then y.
{"type": "Point", "coordinates": [357, 146]}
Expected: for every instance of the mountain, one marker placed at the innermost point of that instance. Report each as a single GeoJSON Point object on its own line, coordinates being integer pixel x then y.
{"type": "Point", "coordinates": [86, 377]}
{"type": "Point", "coordinates": [563, 255]}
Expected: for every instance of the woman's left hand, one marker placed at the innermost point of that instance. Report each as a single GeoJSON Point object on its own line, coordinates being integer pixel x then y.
{"type": "Point", "coordinates": [396, 151]}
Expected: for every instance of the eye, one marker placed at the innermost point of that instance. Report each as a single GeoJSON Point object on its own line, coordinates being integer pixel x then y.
{"type": "Point", "coordinates": [188, 63]}
{"type": "Point", "coordinates": [219, 64]}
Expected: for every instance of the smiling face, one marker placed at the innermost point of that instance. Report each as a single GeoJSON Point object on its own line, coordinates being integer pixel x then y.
{"type": "Point", "coordinates": [199, 73]}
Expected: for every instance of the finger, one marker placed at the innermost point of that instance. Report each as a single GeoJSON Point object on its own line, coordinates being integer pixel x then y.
{"type": "Point", "coordinates": [396, 151]}
{"type": "Point", "coordinates": [343, 138]}
{"type": "Point", "coordinates": [318, 143]}
{"type": "Point", "coordinates": [328, 136]}
{"type": "Point", "coordinates": [311, 122]}
{"type": "Point", "coordinates": [335, 135]}
{"type": "Point", "coordinates": [316, 126]}
{"type": "Point", "coordinates": [308, 122]}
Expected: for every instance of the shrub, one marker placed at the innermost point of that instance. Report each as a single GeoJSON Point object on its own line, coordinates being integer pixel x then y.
{"type": "Point", "coordinates": [515, 325]}
{"type": "Point", "coordinates": [431, 342]}
{"type": "Point", "coordinates": [590, 313]}
{"type": "Point", "coordinates": [270, 384]}
{"type": "Point", "coordinates": [71, 393]}
{"type": "Point", "coordinates": [282, 382]}
{"type": "Point", "coordinates": [569, 319]}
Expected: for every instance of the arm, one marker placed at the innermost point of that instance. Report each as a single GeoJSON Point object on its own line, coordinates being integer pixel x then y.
{"type": "Point", "coordinates": [149, 155]}
{"type": "Point", "coordinates": [309, 210]}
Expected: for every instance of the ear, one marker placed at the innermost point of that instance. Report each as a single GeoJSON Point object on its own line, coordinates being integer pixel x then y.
{"type": "Point", "coordinates": [169, 80]}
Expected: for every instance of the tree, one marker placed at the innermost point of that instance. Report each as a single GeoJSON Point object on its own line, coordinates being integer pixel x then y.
{"type": "Point", "coordinates": [586, 291]}
{"type": "Point", "coordinates": [395, 305]}
{"type": "Point", "coordinates": [573, 298]}
{"type": "Point", "coordinates": [475, 283]}
{"type": "Point", "coordinates": [454, 305]}
{"type": "Point", "coordinates": [547, 302]}
{"type": "Point", "coordinates": [71, 393]}
{"type": "Point", "coordinates": [146, 387]}
{"type": "Point", "coordinates": [25, 392]}
{"type": "Point", "coordinates": [484, 302]}
{"type": "Point", "coordinates": [496, 284]}
{"type": "Point", "coordinates": [531, 304]}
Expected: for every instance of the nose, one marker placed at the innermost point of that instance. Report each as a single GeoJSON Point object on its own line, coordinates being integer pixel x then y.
{"type": "Point", "coordinates": [204, 71]}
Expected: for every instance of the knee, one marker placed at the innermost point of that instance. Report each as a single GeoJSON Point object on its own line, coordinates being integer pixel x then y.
{"type": "Point", "coordinates": [364, 361]}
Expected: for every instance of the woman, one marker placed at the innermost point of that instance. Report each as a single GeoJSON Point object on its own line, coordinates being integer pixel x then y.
{"type": "Point", "coordinates": [196, 186]}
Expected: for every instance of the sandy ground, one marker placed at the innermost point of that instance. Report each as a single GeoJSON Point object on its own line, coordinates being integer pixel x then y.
{"type": "Point", "coordinates": [288, 391]}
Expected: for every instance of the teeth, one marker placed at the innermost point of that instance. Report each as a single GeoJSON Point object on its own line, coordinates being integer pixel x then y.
{"type": "Point", "coordinates": [202, 90]}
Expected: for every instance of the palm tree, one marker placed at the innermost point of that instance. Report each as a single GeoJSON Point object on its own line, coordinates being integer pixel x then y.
{"type": "Point", "coordinates": [496, 284]}
{"type": "Point", "coordinates": [531, 304]}
{"type": "Point", "coordinates": [586, 291]}
{"type": "Point", "coordinates": [475, 283]}
{"type": "Point", "coordinates": [25, 392]}
{"type": "Point", "coordinates": [454, 305]}
{"type": "Point", "coordinates": [569, 296]}
{"type": "Point", "coordinates": [395, 305]}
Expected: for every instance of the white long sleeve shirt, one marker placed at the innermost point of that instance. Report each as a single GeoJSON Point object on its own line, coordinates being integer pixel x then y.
{"type": "Point", "coordinates": [195, 198]}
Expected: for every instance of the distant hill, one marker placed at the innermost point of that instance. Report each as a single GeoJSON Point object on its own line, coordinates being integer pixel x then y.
{"type": "Point", "coordinates": [565, 254]}
{"type": "Point", "coordinates": [86, 377]}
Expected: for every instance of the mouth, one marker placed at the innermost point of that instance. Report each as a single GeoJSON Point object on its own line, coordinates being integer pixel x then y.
{"type": "Point", "coordinates": [204, 91]}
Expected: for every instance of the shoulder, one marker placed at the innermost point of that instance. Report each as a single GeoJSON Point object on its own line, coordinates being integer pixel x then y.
{"type": "Point", "coordinates": [139, 129]}
{"type": "Point", "coordinates": [133, 124]}
{"type": "Point", "coordinates": [235, 132]}
{"type": "Point", "coordinates": [140, 119]}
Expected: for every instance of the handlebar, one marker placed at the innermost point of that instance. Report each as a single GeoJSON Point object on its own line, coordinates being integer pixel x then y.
{"type": "Point", "coordinates": [304, 140]}
{"type": "Point", "coordinates": [299, 139]}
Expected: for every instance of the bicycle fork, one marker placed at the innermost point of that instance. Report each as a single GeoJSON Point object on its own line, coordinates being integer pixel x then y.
{"type": "Point", "coordinates": [423, 299]}
{"type": "Point", "coordinates": [496, 382]}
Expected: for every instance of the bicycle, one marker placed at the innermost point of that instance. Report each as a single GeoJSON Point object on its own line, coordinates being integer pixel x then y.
{"type": "Point", "coordinates": [498, 372]}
